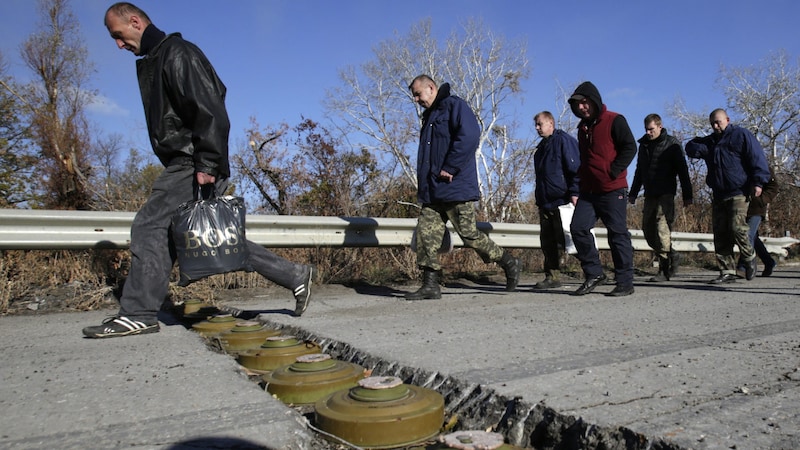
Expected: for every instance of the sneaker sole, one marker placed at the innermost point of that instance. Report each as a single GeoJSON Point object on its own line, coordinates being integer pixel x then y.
{"type": "Point", "coordinates": [147, 330]}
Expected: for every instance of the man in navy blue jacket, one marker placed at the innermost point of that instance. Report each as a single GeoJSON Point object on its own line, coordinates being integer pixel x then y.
{"type": "Point", "coordinates": [556, 162]}
{"type": "Point", "coordinates": [737, 171]}
{"type": "Point", "coordinates": [447, 185]}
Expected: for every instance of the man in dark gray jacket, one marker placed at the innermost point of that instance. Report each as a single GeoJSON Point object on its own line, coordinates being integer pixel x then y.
{"type": "Point", "coordinates": [184, 106]}
{"type": "Point", "coordinates": [661, 160]}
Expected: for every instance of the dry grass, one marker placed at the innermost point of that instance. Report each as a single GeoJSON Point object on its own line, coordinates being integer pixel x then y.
{"type": "Point", "coordinates": [44, 281]}
{"type": "Point", "coordinates": [91, 279]}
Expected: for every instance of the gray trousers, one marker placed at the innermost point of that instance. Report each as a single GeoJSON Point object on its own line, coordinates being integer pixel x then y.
{"type": "Point", "coordinates": [153, 253]}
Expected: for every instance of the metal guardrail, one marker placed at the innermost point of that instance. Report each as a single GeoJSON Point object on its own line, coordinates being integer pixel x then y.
{"type": "Point", "coordinates": [52, 229]}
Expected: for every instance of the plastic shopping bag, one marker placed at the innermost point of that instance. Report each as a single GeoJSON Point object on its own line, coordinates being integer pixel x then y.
{"type": "Point", "coordinates": [209, 237]}
{"type": "Point", "coordinates": [566, 211]}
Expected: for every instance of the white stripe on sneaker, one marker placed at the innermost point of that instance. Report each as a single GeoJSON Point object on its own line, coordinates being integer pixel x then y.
{"type": "Point", "coordinates": [130, 324]}
{"type": "Point", "coordinates": [302, 294]}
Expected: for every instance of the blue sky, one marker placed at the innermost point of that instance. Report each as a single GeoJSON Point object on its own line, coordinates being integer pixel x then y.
{"type": "Point", "coordinates": [278, 57]}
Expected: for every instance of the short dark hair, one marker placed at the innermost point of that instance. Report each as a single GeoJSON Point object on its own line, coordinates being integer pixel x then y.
{"type": "Point", "coordinates": [125, 9]}
{"type": "Point", "coordinates": [652, 118]}
{"type": "Point", "coordinates": [714, 112]}
{"type": "Point", "coordinates": [422, 77]}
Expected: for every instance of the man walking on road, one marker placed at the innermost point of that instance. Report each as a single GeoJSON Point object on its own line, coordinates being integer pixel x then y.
{"type": "Point", "coordinates": [737, 171]}
{"type": "Point", "coordinates": [661, 160]}
{"type": "Point", "coordinates": [607, 147]}
{"type": "Point", "coordinates": [447, 185]}
{"type": "Point", "coordinates": [184, 105]}
{"type": "Point", "coordinates": [556, 163]}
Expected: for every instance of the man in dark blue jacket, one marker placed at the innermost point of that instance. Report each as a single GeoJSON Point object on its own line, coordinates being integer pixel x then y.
{"type": "Point", "coordinates": [556, 162]}
{"type": "Point", "coordinates": [737, 171]}
{"type": "Point", "coordinates": [447, 185]}
{"type": "Point", "coordinates": [188, 126]}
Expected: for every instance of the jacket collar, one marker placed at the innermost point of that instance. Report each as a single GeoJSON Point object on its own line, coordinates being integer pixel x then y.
{"type": "Point", "coordinates": [151, 37]}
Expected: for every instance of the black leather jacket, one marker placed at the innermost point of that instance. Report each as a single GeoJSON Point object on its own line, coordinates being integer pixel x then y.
{"type": "Point", "coordinates": [184, 106]}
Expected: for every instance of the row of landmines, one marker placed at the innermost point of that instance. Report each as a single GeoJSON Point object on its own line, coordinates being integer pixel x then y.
{"type": "Point", "coordinates": [351, 405]}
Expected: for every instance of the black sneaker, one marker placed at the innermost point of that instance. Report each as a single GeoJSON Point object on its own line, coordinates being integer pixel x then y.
{"type": "Point", "coordinates": [302, 293]}
{"type": "Point", "coordinates": [120, 326]}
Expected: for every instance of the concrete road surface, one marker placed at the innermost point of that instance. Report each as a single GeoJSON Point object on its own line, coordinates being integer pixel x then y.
{"type": "Point", "coordinates": [680, 364]}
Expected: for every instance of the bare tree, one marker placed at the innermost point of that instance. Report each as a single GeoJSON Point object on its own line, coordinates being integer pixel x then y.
{"type": "Point", "coordinates": [373, 105]}
{"type": "Point", "coordinates": [764, 98]}
{"type": "Point", "coordinates": [55, 105]}
{"type": "Point", "coordinates": [267, 169]}
{"type": "Point", "coordinates": [16, 161]}
{"type": "Point", "coordinates": [304, 170]}
{"type": "Point", "coordinates": [121, 187]}
{"type": "Point", "coordinates": [767, 99]}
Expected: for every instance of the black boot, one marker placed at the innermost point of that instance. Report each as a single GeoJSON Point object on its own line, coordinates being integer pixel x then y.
{"type": "Point", "coordinates": [663, 271]}
{"type": "Point", "coordinates": [511, 266]}
{"type": "Point", "coordinates": [674, 261]}
{"type": "Point", "coordinates": [430, 286]}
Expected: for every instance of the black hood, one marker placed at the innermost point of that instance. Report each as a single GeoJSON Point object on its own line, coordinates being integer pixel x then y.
{"type": "Point", "coordinates": [588, 90]}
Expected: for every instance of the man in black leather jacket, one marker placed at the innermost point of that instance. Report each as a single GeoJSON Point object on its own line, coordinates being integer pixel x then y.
{"type": "Point", "coordinates": [184, 106]}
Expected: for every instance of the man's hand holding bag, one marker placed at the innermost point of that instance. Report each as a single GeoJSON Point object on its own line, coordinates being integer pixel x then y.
{"type": "Point", "coordinates": [209, 236]}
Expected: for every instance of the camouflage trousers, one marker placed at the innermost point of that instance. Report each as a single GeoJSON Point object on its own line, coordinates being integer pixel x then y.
{"type": "Point", "coordinates": [658, 215]}
{"type": "Point", "coordinates": [431, 227]}
{"type": "Point", "coordinates": [729, 224]}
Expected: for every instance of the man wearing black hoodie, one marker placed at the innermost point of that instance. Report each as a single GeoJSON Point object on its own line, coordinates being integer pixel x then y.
{"type": "Point", "coordinates": [607, 147]}
{"type": "Point", "coordinates": [188, 126]}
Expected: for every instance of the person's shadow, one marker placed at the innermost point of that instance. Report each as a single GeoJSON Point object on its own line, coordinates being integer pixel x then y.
{"type": "Point", "coordinates": [215, 443]}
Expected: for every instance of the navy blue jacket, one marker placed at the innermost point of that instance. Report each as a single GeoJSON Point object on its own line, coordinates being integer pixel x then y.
{"type": "Point", "coordinates": [735, 161]}
{"type": "Point", "coordinates": [556, 162]}
{"type": "Point", "coordinates": [448, 141]}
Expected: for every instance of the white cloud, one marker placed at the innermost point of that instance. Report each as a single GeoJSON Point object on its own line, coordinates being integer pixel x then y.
{"type": "Point", "coordinates": [105, 106]}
